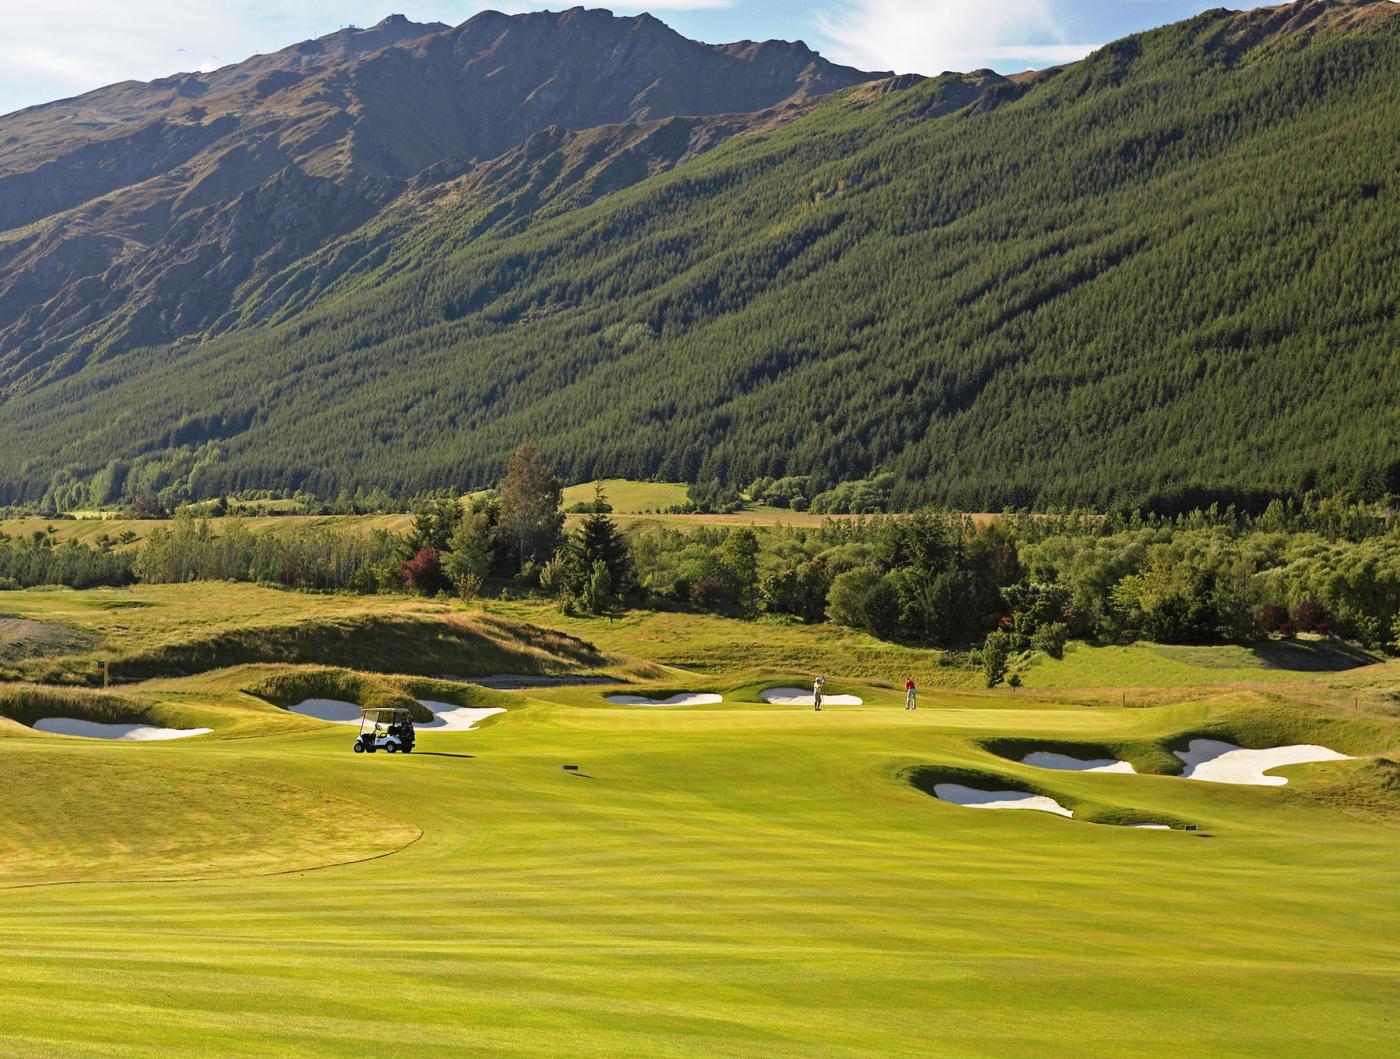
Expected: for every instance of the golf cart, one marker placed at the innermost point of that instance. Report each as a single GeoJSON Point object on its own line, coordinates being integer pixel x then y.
{"type": "Point", "coordinates": [388, 729]}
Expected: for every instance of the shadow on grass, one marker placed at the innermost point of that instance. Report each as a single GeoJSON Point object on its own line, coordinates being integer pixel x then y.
{"type": "Point", "coordinates": [1312, 655]}
{"type": "Point", "coordinates": [1302, 656]}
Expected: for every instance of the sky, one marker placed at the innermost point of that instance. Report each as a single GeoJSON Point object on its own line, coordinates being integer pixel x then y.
{"type": "Point", "coordinates": [52, 49]}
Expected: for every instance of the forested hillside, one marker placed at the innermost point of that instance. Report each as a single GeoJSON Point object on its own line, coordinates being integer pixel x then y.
{"type": "Point", "coordinates": [1167, 270]}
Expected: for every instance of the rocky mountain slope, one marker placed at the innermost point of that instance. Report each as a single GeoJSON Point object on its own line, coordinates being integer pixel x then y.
{"type": "Point", "coordinates": [1163, 274]}
{"type": "Point", "coordinates": [141, 213]}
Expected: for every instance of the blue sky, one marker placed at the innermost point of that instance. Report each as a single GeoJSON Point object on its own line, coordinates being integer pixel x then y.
{"type": "Point", "coordinates": [60, 48]}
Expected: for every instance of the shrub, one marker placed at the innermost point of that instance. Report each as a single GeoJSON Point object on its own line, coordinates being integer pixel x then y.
{"type": "Point", "coordinates": [1309, 615]}
{"type": "Point", "coordinates": [423, 573]}
{"type": "Point", "coordinates": [995, 651]}
{"type": "Point", "coordinates": [1051, 639]}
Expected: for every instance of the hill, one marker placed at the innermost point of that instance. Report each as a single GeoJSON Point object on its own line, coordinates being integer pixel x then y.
{"type": "Point", "coordinates": [1159, 274]}
{"type": "Point", "coordinates": [144, 213]}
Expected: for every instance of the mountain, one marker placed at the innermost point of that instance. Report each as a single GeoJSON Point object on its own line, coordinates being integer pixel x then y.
{"type": "Point", "coordinates": [140, 214]}
{"type": "Point", "coordinates": [1164, 272]}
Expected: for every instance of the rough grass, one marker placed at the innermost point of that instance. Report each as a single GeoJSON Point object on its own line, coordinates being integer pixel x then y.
{"type": "Point", "coordinates": [1144, 665]}
{"type": "Point", "coordinates": [27, 703]}
{"type": "Point", "coordinates": [717, 646]}
{"type": "Point", "coordinates": [159, 630]}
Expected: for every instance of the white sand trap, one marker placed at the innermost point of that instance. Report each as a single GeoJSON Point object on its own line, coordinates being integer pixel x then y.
{"type": "Point", "coordinates": [99, 730]}
{"type": "Point", "coordinates": [683, 699]}
{"type": "Point", "coordinates": [803, 697]}
{"type": "Point", "coordinates": [450, 718]}
{"type": "Point", "coordinates": [333, 710]}
{"type": "Point", "coordinates": [1045, 759]}
{"type": "Point", "coordinates": [1218, 762]}
{"type": "Point", "coordinates": [975, 799]}
{"type": "Point", "coordinates": [1150, 827]}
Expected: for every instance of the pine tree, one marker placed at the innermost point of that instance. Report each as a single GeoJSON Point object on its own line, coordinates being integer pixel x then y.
{"type": "Point", "coordinates": [531, 519]}
{"type": "Point", "coordinates": [598, 543]}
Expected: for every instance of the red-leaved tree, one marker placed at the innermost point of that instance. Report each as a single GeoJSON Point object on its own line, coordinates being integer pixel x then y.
{"type": "Point", "coordinates": [1310, 615]}
{"type": "Point", "coordinates": [1272, 617]}
{"type": "Point", "coordinates": [423, 573]}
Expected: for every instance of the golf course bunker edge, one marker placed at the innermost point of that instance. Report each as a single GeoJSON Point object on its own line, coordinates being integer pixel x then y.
{"type": "Point", "coordinates": [450, 718]}
{"type": "Point", "coordinates": [134, 733]}
{"type": "Point", "coordinates": [803, 697]}
{"type": "Point", "coordinates": [335, 711]}
{"type": "Point", "coordinates": [685, 698]}
{"type": "Point", "coordinates": [447, 717]}
{"type": "Point", "coordinates": [973, 798]}
{"type": "Point", "coordinates": [1059, 762]}
{"type": "Point", "coordinates": [1215, 761]}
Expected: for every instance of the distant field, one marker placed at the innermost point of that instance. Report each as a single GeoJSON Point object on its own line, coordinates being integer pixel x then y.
{"type": "Point", "coordinates": [629, 497]}
{"type": "Point", "coordinates": [90, 530]}
{"type": "Point", "coordinates": [635, 505]}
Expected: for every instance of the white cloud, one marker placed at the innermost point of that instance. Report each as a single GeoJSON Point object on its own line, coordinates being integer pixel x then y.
{"type": "Point", "coordinates": [61, 48]}
{"type": "Point", "coordinates": [931, 36]}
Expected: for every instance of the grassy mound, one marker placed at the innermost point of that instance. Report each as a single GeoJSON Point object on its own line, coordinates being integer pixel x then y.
{"type": "Point", "coordinates": [27, 703]}
{"type": "Point", "coordinates": [926, 777]}
{"type": "Point", "coordinates": [167, 630]}
{"type": "Point", "coordinates": [1145, 756]}
{"type": "Point", "coordinates": [149, 816]}
{"type": "Point", "coordinates": [1258, 721]}
{"type": "Point", "coordinates": [289, 688]}
{"type": "Point", "coordinates": [293, 686]}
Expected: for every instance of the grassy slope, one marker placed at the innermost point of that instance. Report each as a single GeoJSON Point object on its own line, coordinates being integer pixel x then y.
{"type": "Point", "coordinates": [1165, 665]}
{"type": "Point", "coordinates": [728, 881]}
{"type": "Point", "coordinates": [150, 630]}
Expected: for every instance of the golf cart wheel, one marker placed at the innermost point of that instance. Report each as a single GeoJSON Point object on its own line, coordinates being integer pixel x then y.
{"type": "Point", "coordinates": [407, 749]}
{"type": "Point", "coordinates": [359, 747]}
{"type": "Point", "coordinates": [392, 747]}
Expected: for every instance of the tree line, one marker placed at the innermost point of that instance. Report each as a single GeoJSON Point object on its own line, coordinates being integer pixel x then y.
{"type": "Point", "coordinates": [1328, 566]}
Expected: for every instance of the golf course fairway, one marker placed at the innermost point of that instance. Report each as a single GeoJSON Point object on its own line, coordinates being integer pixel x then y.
{"type": "Point", "coordinates": [733, 879]}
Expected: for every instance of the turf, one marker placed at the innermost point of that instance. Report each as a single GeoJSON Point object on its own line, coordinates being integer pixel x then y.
{"type": "Point", "coordinates": [730, 880]}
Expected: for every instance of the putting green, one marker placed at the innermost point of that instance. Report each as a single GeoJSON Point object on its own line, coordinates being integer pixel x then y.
{"type": "Point", "coordinates": [733, 880]}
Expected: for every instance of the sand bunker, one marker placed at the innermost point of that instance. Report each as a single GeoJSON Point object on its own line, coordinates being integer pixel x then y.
{"type": "Point", "coordinates": [450, 718]}
{"type": "Point", "coordinates": [683, 699]}
{"type": "Point", "coordinates": [333, 710]}
{"type": "Point", "coordinates": [1219, 762]}
{"type": "Point", "coordinates": [1045, 759]}
{"type": "Point", "coordinates": [446, 717]}
{"type": "Point", "coordinates": [803, 697]}
{"type": "Point", "coordinates": [1151, 827]}
{"type": "Point", "coordinates": [99, 730]}
{"type": "Point", "coordinates": [975, 799]}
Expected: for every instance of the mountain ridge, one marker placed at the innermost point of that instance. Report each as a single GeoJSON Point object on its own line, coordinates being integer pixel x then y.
{"type": "Point", "coordinates": [1158, 271]}
{"type": "Point", "coordinates": [140, 211]}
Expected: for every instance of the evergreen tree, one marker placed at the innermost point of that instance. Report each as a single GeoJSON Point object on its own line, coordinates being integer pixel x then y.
{"type": "Point", "coordinates": [531, 518]}
{"type": "Point", "coordinates": [996, 650]}
{"type": "Point", "coordinates": [468, 559]}
{"type": "Point", "coordinates": [597, 544]}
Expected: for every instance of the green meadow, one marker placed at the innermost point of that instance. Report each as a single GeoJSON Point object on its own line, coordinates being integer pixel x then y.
{"type": "Point", "coordinates": [735, 879]}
